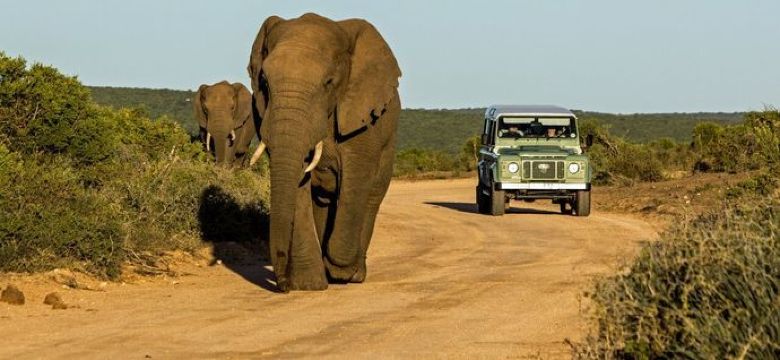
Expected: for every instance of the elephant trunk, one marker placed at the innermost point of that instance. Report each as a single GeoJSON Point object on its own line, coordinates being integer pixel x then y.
{"type": "Point", "coordinates": [290, 149]}
{"type": "Point", "coordinates": [285, 176]}
{"type": "Point", "coordinates": [220, 128]}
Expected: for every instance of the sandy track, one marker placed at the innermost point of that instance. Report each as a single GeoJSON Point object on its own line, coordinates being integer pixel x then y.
{"type": "Point", "coordinates": [444, 282]}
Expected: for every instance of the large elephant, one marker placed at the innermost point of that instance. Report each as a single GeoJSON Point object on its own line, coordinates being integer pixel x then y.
{"type": "Point", "coordinates": [326, 97]}
{"type": "Point", "coordinates": [224, 113]}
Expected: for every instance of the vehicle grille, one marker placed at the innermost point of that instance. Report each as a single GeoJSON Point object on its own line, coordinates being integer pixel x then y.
{"type": "Point", "coordinates": [543, 170]}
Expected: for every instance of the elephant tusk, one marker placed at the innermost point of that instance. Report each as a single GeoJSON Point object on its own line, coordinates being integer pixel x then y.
{"type": "Point", "coordinates": [316, 159]}
{"type": "Point", "coordinates": [232, 135]}
{"type": "Point", "coordinates": [258, 153]}
{"type": "Point", "coordinates": [208, 142]}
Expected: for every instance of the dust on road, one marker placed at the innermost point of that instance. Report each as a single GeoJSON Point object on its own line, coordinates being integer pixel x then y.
{"type": "Point", "coordinates": [444, 282]}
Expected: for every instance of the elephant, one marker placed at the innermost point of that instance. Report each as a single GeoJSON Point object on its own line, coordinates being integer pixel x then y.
{"type": "Point", "coordinates": [224, 113]}
{"type": "Point", "coordinates": [326, 98]}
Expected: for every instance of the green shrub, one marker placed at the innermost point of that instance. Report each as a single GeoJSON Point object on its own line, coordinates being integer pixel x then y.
{"type": "Point", "coordinates": [469, 153]}
{"type": "Point", "coordinates": [91, 187]}
{"type": "Point", "coordinates": [763, 184]}
{"type": "Point", "coordinates": [417, 161]}
{"type": "Point", "coordinates": [40, 108]}
{"type": "Point", "coordinates": [636, 162]}
{"type": "Point", "coordinates": [617, 161]}
{"type": "Point", "coordinates": [165, 200]}
{"type": "Point", "coordinates": [753, 145]}
{"type": "Point", "coordinates": [765, 126]}
{"type": "Point", "coordinates": [673, 155]}
{"type": "Point", "coordinates": [48, 219]}
{"type": "Point", "coordinates": [708, 289]}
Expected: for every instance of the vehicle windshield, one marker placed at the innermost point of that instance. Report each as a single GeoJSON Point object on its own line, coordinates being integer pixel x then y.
{"type": "Point", "coordinates": [536, 127]}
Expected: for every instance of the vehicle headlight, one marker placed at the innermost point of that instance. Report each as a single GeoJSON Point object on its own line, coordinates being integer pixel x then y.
{"type": "Point", "coordinates": [574, 168]}
{"type": "Point", "coordinates": [513, 167]}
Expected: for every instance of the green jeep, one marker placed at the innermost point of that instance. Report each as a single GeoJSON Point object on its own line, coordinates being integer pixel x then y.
{"type": "Point", "coordinates": [532, 152]}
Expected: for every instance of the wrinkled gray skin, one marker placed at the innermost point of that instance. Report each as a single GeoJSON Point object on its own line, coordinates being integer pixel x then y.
{"type": "Point", "coordinates": [316, 80]}
{"type": "Point", "coordinates": [224, 110]}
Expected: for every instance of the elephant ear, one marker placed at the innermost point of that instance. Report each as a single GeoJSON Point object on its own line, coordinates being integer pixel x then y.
{"type": "Point", "coordinates": [197, 104]}
{"type": "Point", "coordinates": [373, 78]}
{"type": "Point", "coordinates": [255, 67]}
{"type": "Point", "coordinates": [243, 110]}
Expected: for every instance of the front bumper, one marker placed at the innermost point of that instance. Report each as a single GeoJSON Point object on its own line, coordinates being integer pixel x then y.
{"type": "Point", "coordinates": [542, 186]}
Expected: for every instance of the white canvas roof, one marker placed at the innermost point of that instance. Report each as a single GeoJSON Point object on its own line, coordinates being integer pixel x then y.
{"type": "Point", "coordinates": [528, 110]}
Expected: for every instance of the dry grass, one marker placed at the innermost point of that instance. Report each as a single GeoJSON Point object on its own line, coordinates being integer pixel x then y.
{"type": "Point", "coordinates": [710, 288]}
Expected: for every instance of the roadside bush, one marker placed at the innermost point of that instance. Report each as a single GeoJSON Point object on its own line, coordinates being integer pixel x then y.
{"type": "Point", "coordinates": [469, 153]}
{"type": "Point", "coordinates": [765, 126]}
{"type": "Point", "coordinates": [634, 162]}
{"type": "Point", "coordinates": [752, 145]}
{"type": "Point", "coordinates": [708, 289]}
{"type": "Point", "coordinates": [673, 155]}
{"type": "Point", "coordinates": [48, 219]}
{"type": "Point", "coordinates": [92, 187]}
{"type": "Point", "coordinates": [163, 201]}
{"type": "Point", "coordinates": [617, 161]}
{"type": "Point", "coordinates": [749, 146]}
{"type": "Point", "coordinates": [40, 109]}
{"type": "Point", "coordinates": [417, 161]}
{"type": "Point", "coordinates": [763, 184]}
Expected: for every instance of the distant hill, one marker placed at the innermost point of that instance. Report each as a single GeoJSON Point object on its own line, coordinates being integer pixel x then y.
{"type": "Point", "coordinates": [157, 102]}
{"type": "Point", "coordinates": [444, 130]}
{"type": "Point", "coordinates": [649, 127]}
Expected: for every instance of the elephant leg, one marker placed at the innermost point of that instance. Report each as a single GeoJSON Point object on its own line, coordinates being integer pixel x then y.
{"type": "Point", "coordinates": [306, 270]}
{"type": "Point", "coordinates": [378, 190]}
{"type": "Point", "coordinates": [343, 246]}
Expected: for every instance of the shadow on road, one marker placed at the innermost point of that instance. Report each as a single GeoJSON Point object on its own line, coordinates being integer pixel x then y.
{"type": "Point", "coordinates": [239, 234]}
{"type": "Point", "coordinates": [471, 208]}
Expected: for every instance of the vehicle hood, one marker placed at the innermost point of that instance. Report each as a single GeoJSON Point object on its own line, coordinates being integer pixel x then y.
{"type": "Point", "coordinates": [537, 150]}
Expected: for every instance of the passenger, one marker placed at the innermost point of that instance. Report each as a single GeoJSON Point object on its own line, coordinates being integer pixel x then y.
{"type": "Point", "coordinates": [551, 132]}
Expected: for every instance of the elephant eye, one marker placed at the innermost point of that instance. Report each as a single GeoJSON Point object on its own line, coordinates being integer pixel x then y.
{"type": "Point", "coordinates": [329, 81]}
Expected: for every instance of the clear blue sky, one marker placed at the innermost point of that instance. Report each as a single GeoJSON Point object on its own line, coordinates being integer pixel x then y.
{"type": "Point", "coordinates": [614, 56]}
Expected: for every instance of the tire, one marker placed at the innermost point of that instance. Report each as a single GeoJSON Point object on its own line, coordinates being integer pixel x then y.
{"type": "Point", "coordinates": [497, 202]}
{"type": "Point", "coordinates": [482, 201]}
{"type": "Point", "coordinates": [582, 203]}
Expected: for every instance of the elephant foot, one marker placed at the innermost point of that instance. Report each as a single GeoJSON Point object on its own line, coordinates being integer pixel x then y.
{"type": "Point", "coordinates": [312, 280]}
{"type": "Point", "coordinates": [345, 274]}
{"type": "Point", "coordinates": [360, 274]}
{"type": "Point", "coordinates": [282, 285]}
{"type": "Point", "coordinates": [305, 285]}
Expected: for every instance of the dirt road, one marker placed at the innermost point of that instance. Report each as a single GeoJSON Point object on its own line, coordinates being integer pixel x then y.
{"type": "Point", "coordinates": [444, 282]}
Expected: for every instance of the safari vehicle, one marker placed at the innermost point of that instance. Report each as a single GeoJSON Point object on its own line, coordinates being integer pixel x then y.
{"type": "Point", "coordinates": [532, 152]}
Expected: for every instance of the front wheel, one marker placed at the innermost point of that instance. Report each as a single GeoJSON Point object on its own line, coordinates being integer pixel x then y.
{"type": "Point", "coordinates": [497, 202]}
{"type": "Point", "coordinates": [582, 203]}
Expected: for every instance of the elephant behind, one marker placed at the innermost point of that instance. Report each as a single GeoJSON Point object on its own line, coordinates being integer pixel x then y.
{"type": "Point", "coordinates": [224, 113]}
{"type": "Point", "coordinates": [326, 94]}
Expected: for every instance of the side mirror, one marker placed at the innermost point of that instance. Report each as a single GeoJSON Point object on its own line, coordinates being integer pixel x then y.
{"type": "Point", "coordinates": [485, 139]}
